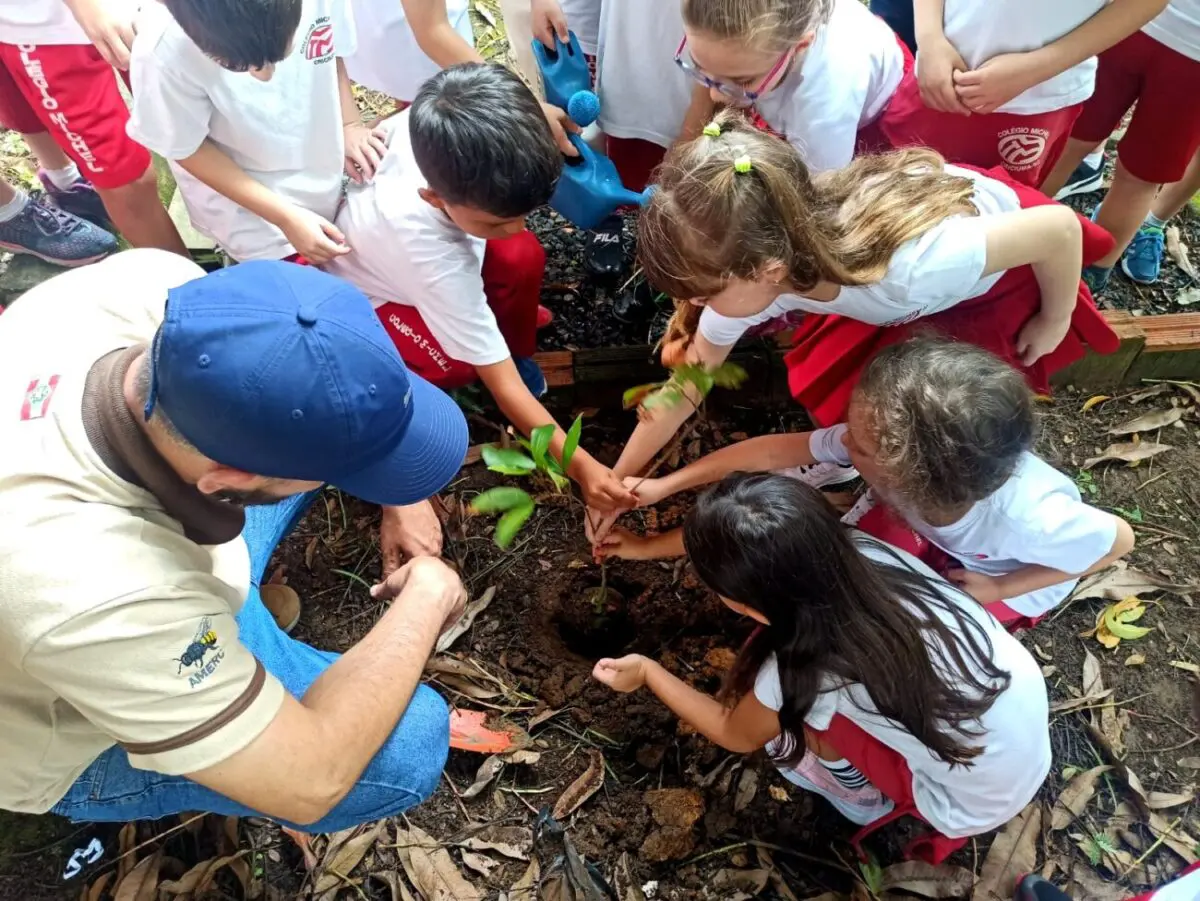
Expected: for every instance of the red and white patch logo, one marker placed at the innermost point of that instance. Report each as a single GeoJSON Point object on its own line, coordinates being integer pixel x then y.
{"type": "Point", "coordinates": [37, 397]}
{"type": "Point", "coordinates": [318, 44]}
{"type": "Point", "coordinates": [1022, 148]}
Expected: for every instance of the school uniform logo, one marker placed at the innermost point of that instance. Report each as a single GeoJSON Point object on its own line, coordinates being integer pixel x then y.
{"type": "Point", "coordinates": [196, 655]}
{"type": "Point", "coordinates": [37, 397]}
{"type": "Point", "coordinates": [318, 43]}
{"type": "Point", "coordinates": [1021, 148]}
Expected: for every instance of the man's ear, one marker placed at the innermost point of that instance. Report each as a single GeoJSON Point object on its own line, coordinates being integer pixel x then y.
{"type": "Point", "coordinates": [432, 198]}
{"type": "Point", "coordinates": [224, 478]}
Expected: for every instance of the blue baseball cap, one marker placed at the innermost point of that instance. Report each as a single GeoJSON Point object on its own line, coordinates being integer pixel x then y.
{"type": "Point", "coordinates": [285, 371]}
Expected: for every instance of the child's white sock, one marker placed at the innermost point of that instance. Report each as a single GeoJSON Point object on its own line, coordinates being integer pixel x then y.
{"type": "Point", "coordinates": [65, 177]}
{"type": "Point", "coordinates": [1154, 222]}
{"type": "Point", "coordinates": [1094, 159]}
{"type": "Point", "coordinates": [13, 208]}
{"type": "Point", "coordinates": [846, 773]}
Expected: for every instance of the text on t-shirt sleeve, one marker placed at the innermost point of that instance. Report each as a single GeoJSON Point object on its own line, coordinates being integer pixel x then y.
{"type": "Point", "coordinates": [828, 445]}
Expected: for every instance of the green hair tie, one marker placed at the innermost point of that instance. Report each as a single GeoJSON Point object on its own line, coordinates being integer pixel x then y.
{"type": "Point", "coordinates": [743, 164]}
{"type": "Point", "coordinates": [713, 130]}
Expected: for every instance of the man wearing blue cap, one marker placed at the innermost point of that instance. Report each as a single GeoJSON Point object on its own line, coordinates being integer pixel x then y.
{"type": "Point", "coordinates": [160, 431]}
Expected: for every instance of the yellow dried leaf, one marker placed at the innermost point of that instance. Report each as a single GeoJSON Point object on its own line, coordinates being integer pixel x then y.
{"type": "Point", "coordinates": [1106, 637]}
{"type": "Point", "coordinates": [1093, 401]}
{"type": "Point", "coordinates": [1135, 660]}
{"type": "Point", "coordinates": [1186, 666]}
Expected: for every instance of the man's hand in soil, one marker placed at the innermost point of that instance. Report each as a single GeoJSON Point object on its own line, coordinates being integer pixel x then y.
{"type": "Point", "coordinates": [625, 674]}
{"type": "Point", "coordinates": [983, 588]}
{"type": "Point", "coordinates": [604, 491]}
{"type": "Point", "coordinates": [431, 582]}
{"type": "Point", "coordinates": [412, 531]}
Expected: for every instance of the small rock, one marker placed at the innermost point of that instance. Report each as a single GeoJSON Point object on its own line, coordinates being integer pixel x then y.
{"type": "Point", "coordinates": [650, 757]}
{"type": "Point", "coordinates": [720, 659]}
{"type": "Point", "coordinates": [24, 272]}
{"type": "Point", "coordinates": [668, 843]}
{"type": "Point", "coordinates": [680, 807]}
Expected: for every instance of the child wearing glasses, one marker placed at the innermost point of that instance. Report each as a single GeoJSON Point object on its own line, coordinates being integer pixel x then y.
{"type": "Point", "coordinates": [818, 72]}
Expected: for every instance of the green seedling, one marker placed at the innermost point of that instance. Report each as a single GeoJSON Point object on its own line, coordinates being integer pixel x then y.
{"type": "Point", "coordinates": [1087, 483]}
{"type": "Point", "coordinates": [670, 393]}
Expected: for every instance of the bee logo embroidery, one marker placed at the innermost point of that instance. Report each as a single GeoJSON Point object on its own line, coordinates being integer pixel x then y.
{"type": "Point", "coordinates": [204, 642]}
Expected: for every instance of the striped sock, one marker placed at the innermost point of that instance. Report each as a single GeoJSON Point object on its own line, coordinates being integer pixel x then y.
{"type": "Point", "coordinates": [846, 774]}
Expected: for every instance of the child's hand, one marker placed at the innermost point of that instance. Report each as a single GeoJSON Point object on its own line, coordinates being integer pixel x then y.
{"type": "Point", "coordinates": [365, 148]}
{"type": "Point", "coordinates": [315, 238]}
{"type": "Point", "coordinates": [603, 491]}
{"type": "Point", "coordinates": [649, 491]}
{"type": "Point", "coordinates": [560, 125]}
{"type": "Point", "coordinates": [597, 525]}
{"type": "Point", "coordinates": [548, 21]}
{"type": "Point", "coordinates": [935, 75]}
{"type": "Point", "coordinates": [985, 589]}
{"type": "Point", "coordinates": [111, 36]}
{"type": "Point", "coordinates": [1040, 336]}
{"type": "Point", "coordinates": [994, 83]}
{"type": "Point", "coordinates": [624, 545]}
{"type": "Point", "coordinates": [624, 674]}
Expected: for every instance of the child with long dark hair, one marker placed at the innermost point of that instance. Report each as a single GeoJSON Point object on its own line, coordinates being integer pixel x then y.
{"type": "Point", "coordinates": [872, 681]}
{"type": "Point", "coordinates": [943, 432]}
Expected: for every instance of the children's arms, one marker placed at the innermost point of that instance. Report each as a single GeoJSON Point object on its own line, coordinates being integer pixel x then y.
{"type": "Point", "coordinates": [112, 35]}
{"type": "Point", "coordinates": [1048, 238]}
{"type": "Point", "coordinates": [989, 589]}
{"type": "Point", "coordinates": [1003, 77]}
{"type": "Point", "coordinates": [628, 546]}
{"type": "Point", "coordinates": [435, 35]}
{"type": "Point", "coordinates": [317, 239]}
{"type": "Point", "coordinates": [364, 147]}
{"type": "Point", "coordinates": [548, 22]}
{"type": "Point", "coordinates": [602, 490]}
{"type": "Point", "coordinates": [742, 729]}
{"type": "Point", "coordinates": [939, 61]}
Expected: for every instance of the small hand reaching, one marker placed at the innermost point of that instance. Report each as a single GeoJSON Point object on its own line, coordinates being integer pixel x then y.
{"type": "Point", "coordinates": [983, 588]}
{"type": "Point", "coordinates": [560, 125]}
{"type": "Point", "coordinates": [624, 545]}
{"type": "Point", "coordinates": [649, 491]}
{"type": "Point", "coordinates": [365, 148]}
{"type": "Point", "coordinates": [603, 491]}
{"type": "Point", "coordinates": [314, 237]}
{"type": "Point", "coordinates": [111, 35]}
{"type": "Point", "coordinates": [1040, 336]}
{"type": "Point", "coordinates": [624, 674]}
{"type": "Point", "coordinates": [548, 22]}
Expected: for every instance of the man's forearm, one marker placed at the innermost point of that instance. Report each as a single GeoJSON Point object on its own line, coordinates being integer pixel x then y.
{"type": "Point", "coordinates": [212, 166]}
{"type": "Point", "coordinates": [1111, 25]}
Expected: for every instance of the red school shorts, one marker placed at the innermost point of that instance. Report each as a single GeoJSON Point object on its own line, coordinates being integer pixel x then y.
{"type": "Point", "coordinates": [1164, 132]}
{"type": "Point", "coordinates": [71, 92]}
{"type": "Point", "coordinates": [1026, 146]}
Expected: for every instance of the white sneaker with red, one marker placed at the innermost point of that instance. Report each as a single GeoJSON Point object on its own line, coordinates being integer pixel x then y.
{"type": "Point", "coordinates": [818, 475]}
{"type": "Point", "coordinates": [859, 805]}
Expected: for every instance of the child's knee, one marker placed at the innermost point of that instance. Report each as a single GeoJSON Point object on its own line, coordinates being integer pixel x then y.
{"type": "Point", "coordinates": [138, 190]}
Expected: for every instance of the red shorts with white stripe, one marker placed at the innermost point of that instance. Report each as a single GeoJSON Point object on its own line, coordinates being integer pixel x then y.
{"type": "Point", "coordinates": [69, 91]}
{"type": "Point", "coordinates": [1164, 132]}
{"type": "Point", "coordinates": [1026, 146]}
{"type": "Point", "coordinates": [830, 350]}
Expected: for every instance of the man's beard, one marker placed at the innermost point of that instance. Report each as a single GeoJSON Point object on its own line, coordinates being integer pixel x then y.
{"type": "Point", "coordinates": [257, 498]}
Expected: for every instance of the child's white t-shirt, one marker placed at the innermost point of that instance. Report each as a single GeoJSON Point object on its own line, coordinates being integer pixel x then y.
{"type": "Point", "coordinates": [643, 94]}
{"type": "Point", "coordinates": [388, 58]}
{"type": "Point", "coordinates": [1036, 518]}
{"type": "Point", "coordinates": [1178, 27]}
{"type": "Point", "coordinates": [583, 18]}
{"type": "Point", "coordinates": [408, 252]}
{"type": "Point", "coordinates": [285, 133]}
{"type": "Point", "coordinates": [980, 30]}
{"type": "Point", "coordinates": [49, 21]}
{"type": "Point", "coordinates": [962, 800]}
{"type": "Point", "coordinates": [845, 81]}
{"type": "Point", "coordinates": [926, 275]}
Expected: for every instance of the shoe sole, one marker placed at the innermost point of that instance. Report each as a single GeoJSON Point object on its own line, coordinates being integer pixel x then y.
{"type": "Point", "coordinates": [1095, 183]}
{"type": "Point", "coordinates": [1133, 278]}
{"type": "Point", "coordinates": [66, 264]}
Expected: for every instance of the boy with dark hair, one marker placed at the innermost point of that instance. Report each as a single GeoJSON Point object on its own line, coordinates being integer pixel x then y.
{"type": "Point", "coordinates": [442, 251]}
{"type": "Point", "coordinates": [250, 102]}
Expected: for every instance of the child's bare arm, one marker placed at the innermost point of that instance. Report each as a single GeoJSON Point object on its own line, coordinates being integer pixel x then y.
{"type": "Point", "coordinates": [1003, 77]}
{"type": "Point", "coordinates": [989, 589]}
{"type": "Point", "coordinates": [435, 35]}
{"type": "Point", "coordinates": [1048, 238]}
{"type": "Point", "coordinates": [629, 546]}
{"type": "Point", "coordinates": [939, 59]}
{"type": "Point", "coordinates": [313, 236]}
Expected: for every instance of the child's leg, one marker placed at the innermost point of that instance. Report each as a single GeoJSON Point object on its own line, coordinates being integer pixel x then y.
{"type": "Point", "coordinates": [1125, 206]}
{"type": "Point", "coordinates": [74, 94]}
{"type": "Point", "coordinates": [1072, 155]}
{"type": "Point", "coordinates": [1174, 197]}
{"type": "Point", "coordinates": [513, 269]}
{"type": "Point", "coordinates": [48, 153]}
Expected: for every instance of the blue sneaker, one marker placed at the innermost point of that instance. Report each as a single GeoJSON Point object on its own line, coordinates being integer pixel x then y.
{"type": "Point", "coordinates": [1096, 278]}
{"type": "Point", "coordinates": [80, 200]}
{"type": "Point", "coordinates": [55, 236]}
{"type": "Point", "coordinates": [1142, 261]}
{"type": "Point", "coordinates": [532, 376]}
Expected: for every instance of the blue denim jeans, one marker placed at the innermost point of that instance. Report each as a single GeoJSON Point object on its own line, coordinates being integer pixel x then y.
{"type": "Point", "coordinates": [405, 771]}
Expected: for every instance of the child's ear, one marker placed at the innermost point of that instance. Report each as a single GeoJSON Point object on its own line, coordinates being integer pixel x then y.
{"type": "Point", "coordinates": [774, 273]}
{"type": "Point", "coordinates": [432, 198]}
{"type": "Point", "coordinates": [805, 42]}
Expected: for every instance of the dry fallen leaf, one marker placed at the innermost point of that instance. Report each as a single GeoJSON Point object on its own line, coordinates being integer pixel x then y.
{"type": "Point", "coordinates": [1113, 723]}
{"type": "Point", "coordinates": [488, 770]}
{"type": "Point", "coordinates": [1128, 452]}
{"type": "Point", "coordinates": [510, 850]}
{"type": "Point", "coordinates": [928, 881]}
{"type": "Point", "coordinates": [1167, 800]}
{"type": "Point", "coordinates": [582, 788]}
{"type": "Point", "coordinates": [1135, 660]}
{"type": "Point", "coordinates": [1149, 422]}
{"type": "Point", "coordinates": [341, 858]}
{"type": "Point", "coordinates": [199, 878]}
{"type": "Point", "coordinates": [1075, 798]}
{"type": "Point", "coordinates": [1190, 763]}
{"type": "Point", "coordinates": [1086, 884]}
{"type": "Point", "coordinates": [526, 888]}
{"type": "Point", "coordinates": [1174, 838]}
{"type": "Point", "coordinates": [1178, 251]}
{"type": "Point", "coordinates": [479, 863]}
{"type": "Point", "coordinates": [141, 884]}
{"type": "Point", "coordinates": [1121, 581]}
{"type": "Point", "coordinates": [1093, 401]}
{"type": "Point", "coordinates": [1186, 666]}
{"type": "Point", "coordinates": [1013, 853]}
{"type": "Point", "coordinates": [731, 883]}
{"type": "Point", "coordinates": [460, 628]}
{"type": "Point", "coordinates": [431, 869]}
{"type": "Point", "coordinates": [746, 790]}
{"type": "Point", "coordinates": [1093, 683]}
{"type": "Point", "coordinates": [1075, 703]}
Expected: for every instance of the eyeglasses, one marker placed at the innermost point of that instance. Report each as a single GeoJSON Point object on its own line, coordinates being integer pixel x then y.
{"type": "Point", "coordinates": [734, 92]}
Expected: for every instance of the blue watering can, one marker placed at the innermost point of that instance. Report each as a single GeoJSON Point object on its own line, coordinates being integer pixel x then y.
{"type": "Point", "coordinates": [589, 190]}
{"type": "Point", "coordinates": [564, 71]}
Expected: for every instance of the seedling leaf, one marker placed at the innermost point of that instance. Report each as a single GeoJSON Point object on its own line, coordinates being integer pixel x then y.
{"type": "Point", "coordinates": [539, 443]}
{"type": "Point", "coordinates": [501, 500]}
{"type": "Point", "coordinates": [510, 523]}
{"type": "Point", "coordinates": [572, 443]}
{"type": "Point", "coordinates": [729, 375]}
{"type": "Point", "coordinates": [634, 396]}
{"type": "Point", "coordinates": [508, 461]}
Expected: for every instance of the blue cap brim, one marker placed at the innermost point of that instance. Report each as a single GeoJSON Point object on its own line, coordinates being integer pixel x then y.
{"type": "Point", "coordinates": [427, 458]}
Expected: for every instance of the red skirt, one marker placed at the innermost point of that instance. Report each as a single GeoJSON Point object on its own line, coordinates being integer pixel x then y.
{"type": "Point", "coordinates": [831, 350]}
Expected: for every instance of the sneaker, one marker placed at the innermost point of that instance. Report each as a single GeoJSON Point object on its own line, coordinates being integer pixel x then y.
{"type": "Point", "coordinates": [283, 603]}
{"type": "Point", "coordinates": [818, 475]}
{"type": "Point", "coordinates": [1096, 278]}
{"type": "Point", "coordinates": [80, 200]}
{"type": "Point", "coordinates": [55, 236]}
{"type": "Point", "coordinates": [861, 806]}
{"type": "Point", "coordinates": [605, 251]}
{"type": "Point", "coordinates": [864, 505]}
{"type": "Point", "coordinates": [1083, 180]}
{"type": "Point", "coordinates": [1142, 260]}
{"type": "Point", "coordinates": [1035, 888]}
{"type": "Point", "coordinates": [532, 375]}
